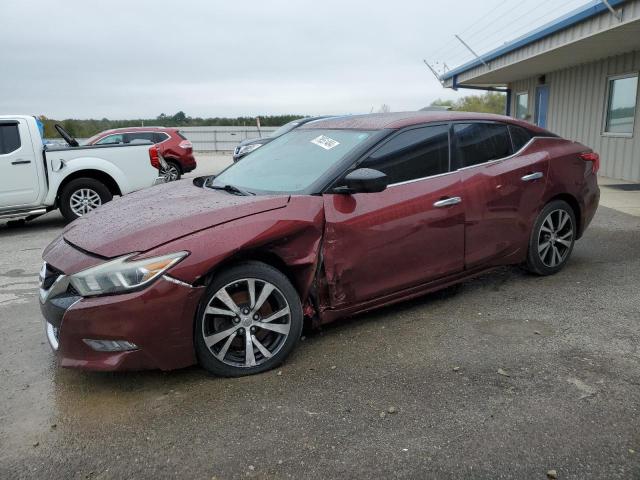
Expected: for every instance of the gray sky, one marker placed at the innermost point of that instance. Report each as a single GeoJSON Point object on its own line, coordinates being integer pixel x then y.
{"type": "Point", "coordinates": [140, 58]}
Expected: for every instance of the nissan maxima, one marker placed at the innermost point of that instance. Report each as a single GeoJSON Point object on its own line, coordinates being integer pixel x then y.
{"type": "Point", "coordinates": [337, 217]}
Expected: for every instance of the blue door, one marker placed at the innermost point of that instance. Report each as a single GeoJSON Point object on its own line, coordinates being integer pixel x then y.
{"type": "Point", "coordinates": [542, 105]}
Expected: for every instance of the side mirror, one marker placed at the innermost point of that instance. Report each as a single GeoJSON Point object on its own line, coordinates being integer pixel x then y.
{"type": "Point", "coordinates": [363, 180]}
{"type": "Point", "coordinates": [204, 181]}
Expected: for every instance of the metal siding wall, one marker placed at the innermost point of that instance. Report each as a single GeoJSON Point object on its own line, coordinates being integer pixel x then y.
{"type": "Point", "coordinates": [577, 99]}
{"type": "Point", "coordinates": [221, 139]}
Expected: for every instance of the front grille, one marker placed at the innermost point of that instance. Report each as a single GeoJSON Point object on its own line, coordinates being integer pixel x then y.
{"type": "Point", "coordinates": [48, 275]}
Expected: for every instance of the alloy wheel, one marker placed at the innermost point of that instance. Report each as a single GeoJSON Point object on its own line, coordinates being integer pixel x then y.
{"type": "Point", "coordinates": [170, 173]}
{"type": "Point", "coordinates": [246, 322]}
{"type": "Point", "coordinates": [555, 238]}
{"type": "Point", "coordinates": [84, 200]}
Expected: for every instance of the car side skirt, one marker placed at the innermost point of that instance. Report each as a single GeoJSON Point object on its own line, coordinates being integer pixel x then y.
{"type": "Point", "coordinates": [331, 315]}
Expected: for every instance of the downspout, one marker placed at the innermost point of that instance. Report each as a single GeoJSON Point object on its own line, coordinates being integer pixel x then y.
{"type": "Point", "coordinates": [507, 108]}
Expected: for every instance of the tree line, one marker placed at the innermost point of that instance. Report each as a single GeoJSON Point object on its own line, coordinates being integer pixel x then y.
{"type": "Point", "coordinates": [490, 102]}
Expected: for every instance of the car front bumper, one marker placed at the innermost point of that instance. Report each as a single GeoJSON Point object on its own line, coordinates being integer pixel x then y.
{"type": "Point", "coordinates": [158, 320]}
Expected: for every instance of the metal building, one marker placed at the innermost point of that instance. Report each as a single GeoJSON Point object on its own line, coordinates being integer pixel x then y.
{"type": "Point", "coordinates": [576, 76]}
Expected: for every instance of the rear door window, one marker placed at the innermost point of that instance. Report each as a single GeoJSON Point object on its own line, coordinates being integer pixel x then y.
{"type": "Point", "coordinates": [9, 138]}
{"type": "Point", "coordinates": [477, 143]}
{"type": "Point", "coordinates": [149, 136]}
{"type": "Point", "coordinates": [413, 154]}
{"type": "Point", "coordinates": [159, 137]}
{"type": "Point", "coordinates": [519, 137]}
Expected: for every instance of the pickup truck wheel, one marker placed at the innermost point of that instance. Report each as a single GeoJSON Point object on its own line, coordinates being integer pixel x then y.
{"type": "Point", "coordinates": [82, 195]}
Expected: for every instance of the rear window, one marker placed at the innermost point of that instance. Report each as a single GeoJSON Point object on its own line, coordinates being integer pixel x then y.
{"type": "Point", "coordinates": [478, 143]}
{"type": "Point", "coordinates": [159, 137]}
{"type": "Point", "coordinates": [519, 137]}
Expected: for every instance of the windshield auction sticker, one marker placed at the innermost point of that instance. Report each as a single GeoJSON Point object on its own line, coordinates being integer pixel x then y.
{"type": "Point", "coordinates": [325, 142]}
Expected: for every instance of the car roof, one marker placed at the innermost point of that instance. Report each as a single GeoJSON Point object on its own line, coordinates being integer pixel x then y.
{"type": "Point", "coordinates": [396, 120]}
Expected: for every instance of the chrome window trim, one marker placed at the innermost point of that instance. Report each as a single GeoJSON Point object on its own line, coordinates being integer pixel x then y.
{"type": "Point", "coordinates": [502, 159]}
{"type": "Point", "coordinates": [422, 178]}
{"type": "Point", "coordinates": [478, 165]}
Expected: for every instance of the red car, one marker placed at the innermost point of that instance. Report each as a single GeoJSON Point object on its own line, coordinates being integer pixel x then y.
{"type": "Point", "coordinates": [337, 217]}
{"type": "Point", "coordinates": [174, 147]}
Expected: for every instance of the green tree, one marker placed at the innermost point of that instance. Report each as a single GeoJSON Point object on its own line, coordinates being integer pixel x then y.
{"type": "Point", "coordinates": [442, 103]}
{"type": "Point", "coordinates": [489, 102]}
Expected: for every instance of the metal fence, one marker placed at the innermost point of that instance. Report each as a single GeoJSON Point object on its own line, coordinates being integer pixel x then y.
{"type": "Point", "coordinates": [221, 139]}
{"type": "Point", "coordinates": [209, 139]}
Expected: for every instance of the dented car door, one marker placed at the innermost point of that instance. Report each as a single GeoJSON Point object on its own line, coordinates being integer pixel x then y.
{"type": "Point", "coordinates": [409, 234]}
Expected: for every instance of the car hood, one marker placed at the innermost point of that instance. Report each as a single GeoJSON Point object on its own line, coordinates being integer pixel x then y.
{"type": "Point", "coordinates": [146, 219]}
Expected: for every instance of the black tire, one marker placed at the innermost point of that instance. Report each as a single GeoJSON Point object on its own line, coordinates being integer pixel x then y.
{"type": "Point", "coordinates": [541, 258]}
{"type": "Point", "coordinates": [234, 363]}
{"type": "Point", "coordinates": [173, 165]}
{"type": "Point", "coordinates": [77, 185]}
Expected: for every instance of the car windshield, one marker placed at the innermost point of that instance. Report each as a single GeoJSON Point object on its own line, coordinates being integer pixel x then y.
{"type": "Point", "coordinates": [287, 127]}
{"type": "Point", "coordinates": [292, 162]}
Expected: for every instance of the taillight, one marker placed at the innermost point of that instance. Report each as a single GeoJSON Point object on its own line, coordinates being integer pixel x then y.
{"type": "Point", "coordinates": [592, 157]}
{"type": "Point", "coordinates": [185, 144]}
{"type": "Point", "coordinates": [154, 157]}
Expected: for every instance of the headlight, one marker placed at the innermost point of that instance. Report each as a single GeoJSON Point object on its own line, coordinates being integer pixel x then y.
{"type": "Point", "coordinates": [123, 274]}
{"type": "Point", "coordinates": [249, 148]}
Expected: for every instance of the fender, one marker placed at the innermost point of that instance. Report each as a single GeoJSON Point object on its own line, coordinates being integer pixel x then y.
{"type": "Point", "coordinates": [292, 234]}
{"type": "Point", "coordinates": [61, 169]}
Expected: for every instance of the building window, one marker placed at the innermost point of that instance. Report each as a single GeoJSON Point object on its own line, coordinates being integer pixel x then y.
{"type": "Point", "coordinates": [621, 104]}
{"type": "Point", "coordinates": [522, 106]}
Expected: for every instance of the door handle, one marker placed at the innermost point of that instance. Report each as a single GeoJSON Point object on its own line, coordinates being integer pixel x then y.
{"type": "Point", "coordinates": [532, 176]}
{"type": "Point", "coordinates": [20, 162]}
{"type": "Point", "coordinates": [447, 202]}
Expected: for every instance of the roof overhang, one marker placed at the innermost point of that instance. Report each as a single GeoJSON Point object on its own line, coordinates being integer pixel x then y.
{"type": "Point", "coordinates": [529, 56]}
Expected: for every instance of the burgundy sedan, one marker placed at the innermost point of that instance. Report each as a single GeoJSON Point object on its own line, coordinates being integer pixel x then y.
{"type": "Point", "coordinates": [337, 217]}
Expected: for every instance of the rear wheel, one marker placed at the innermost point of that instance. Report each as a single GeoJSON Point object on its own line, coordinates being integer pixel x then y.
{"type": "Point", "coordinates": [249, 320]}
{"type": "Point", "coordinates": [82, 195]}
{"type": "Point", "coordinates": [173, 171]}
{"type": "Point", "coordinates": [552, 238]}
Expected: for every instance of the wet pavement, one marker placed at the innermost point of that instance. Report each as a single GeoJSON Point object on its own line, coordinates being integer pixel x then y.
{"type": "Point", "coordinates": [411, 391]}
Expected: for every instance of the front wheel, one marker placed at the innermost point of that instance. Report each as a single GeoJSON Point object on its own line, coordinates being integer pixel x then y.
{"type": "Point", "coordinates": [552, 238]}
{"type": "Point", "coordinates": [249, 320]}
{"type": "Point", "coordinates": [82, 195]}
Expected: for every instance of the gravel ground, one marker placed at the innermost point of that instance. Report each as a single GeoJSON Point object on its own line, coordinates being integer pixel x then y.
{"type": "Point", "coordinates": [506, 376]}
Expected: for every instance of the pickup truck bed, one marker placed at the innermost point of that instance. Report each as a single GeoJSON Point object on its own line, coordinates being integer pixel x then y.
{"type": "Point", "coordinates": [35, 179]}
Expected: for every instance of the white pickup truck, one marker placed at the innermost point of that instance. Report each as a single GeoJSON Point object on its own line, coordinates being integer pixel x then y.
{"type": "Point", "coordinates": [37, 178]}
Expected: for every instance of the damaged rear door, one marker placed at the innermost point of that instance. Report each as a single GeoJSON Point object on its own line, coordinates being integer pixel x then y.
{"type": "Point", "coordinates": [411, 233]}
